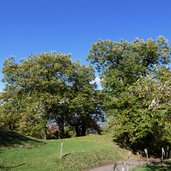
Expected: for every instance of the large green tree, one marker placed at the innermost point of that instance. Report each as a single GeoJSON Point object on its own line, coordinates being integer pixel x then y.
{"type": "Point", "coordinates": [136, 85]}
{"type": "Point", "coordinates": [45, 86]}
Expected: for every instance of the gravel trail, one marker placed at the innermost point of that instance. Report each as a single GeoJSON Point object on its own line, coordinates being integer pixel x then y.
{"type": "Point", "coordinates": [120, 166]}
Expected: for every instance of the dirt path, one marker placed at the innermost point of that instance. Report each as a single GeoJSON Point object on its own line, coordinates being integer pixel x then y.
{"type": "Point", "coordinates": [120, 166]}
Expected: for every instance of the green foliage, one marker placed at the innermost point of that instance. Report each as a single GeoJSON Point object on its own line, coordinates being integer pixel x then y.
{"type": "Point", "coordinates": [45, 86]}
{"type": "Point", "coordinates": [69, 132]}
{"type": "Point", "coordinates": [137, 89]}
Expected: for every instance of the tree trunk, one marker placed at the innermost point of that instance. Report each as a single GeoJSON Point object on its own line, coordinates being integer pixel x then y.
{"type": "Point", "coordinates": [80, 130]}
{"type": "Point", "coordinates": [61, 132]}
{"type": "Point", "coordinates": [83, 130]}
{"type": "Point", "coordinates": [77, 130]}
{"type": "Point", "coordinates": [168, 152]}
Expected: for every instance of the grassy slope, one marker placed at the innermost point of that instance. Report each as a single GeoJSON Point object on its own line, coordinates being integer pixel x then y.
{"type": "Point", "coordinates": [78, 154]}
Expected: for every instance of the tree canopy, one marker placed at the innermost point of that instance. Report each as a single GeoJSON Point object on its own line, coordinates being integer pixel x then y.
{"type": "Point", "coordinates": [136, 94]}
{"type": "Point", "coordinates": [136, 84]}
{"type": "Point", "coordinates": [45, 86]}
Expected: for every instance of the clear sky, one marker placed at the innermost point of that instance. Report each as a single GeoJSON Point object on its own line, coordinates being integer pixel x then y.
{"type": "Point", "coordinates": [71, 26]}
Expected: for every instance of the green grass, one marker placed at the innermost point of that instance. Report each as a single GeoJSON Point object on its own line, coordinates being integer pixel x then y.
{"type": "Point", "coordinates": [155, 167]}
{"type": "Point", "coordinates": [78, 154]}
{"type": "Point", "coordinates": [152, 168]}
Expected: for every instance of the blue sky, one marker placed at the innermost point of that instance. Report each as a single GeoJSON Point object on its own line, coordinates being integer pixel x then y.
{"type": "Point", "coordinates": [71, 26]}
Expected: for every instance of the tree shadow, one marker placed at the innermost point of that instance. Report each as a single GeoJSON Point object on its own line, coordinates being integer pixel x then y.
{"type": "Point", "coordinates": [10, 138]}
{"type": "Point", "coordinates": [10, 167]}
{"type": "Point", "coordinates": [65, 155]}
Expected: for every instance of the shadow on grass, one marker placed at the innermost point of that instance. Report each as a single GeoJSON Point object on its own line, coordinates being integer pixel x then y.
{"type": "Point", "coordinates": [10, 167]}
{"type": "Point", "coordinates": [153, 167]}
{"type": "Point", "coordinates": [65, 155]}
{"type": "Point", "coordinates": [10, 138]}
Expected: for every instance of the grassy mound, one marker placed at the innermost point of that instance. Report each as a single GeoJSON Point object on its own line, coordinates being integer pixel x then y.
{"type": "Point", "coordinates": [78, 154]}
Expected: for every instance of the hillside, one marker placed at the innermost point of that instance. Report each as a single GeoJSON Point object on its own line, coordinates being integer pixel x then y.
{"type": "Point", "coordinates": [78, 153]}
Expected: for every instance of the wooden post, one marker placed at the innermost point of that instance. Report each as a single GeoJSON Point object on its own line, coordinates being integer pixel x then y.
{"type": "Point", "coordinates": [162, 154]}
{"type": "Point", "coordinates": [146, 152]}
{"type": "Point", "coordinates": [115, 166]}
{"type": "Point", "coordinates": [61, 151]}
